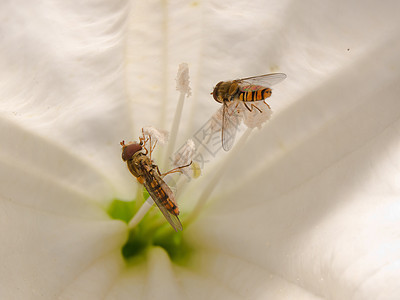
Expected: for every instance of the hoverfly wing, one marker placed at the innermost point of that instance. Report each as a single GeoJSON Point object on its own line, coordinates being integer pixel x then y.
{"type": "Point", "coordinates": [171, 217]}
{"type": "Point", "coordinates": [262, 81]}
{"type": "Point", "coordinates": [230, 124]}
{"type": "Point", "coordinates": [160, 196]}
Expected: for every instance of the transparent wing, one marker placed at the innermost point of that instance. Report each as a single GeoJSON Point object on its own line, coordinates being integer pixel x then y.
{"type": "Point", "coordinates": [230, 124]}
{"type": "Point", "coordinates": [171, 217]}
{"type": "Point", "coordinates": [262, 81]}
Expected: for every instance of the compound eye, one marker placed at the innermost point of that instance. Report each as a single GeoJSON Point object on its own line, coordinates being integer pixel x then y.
{"type": "Point", "coordinates": [129, 150]}
{"type": "Point", "coordinates": [216, 93]}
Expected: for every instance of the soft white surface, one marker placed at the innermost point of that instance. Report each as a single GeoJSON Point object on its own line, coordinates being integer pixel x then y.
{"type": "Point", "coordinates": [308, 208]}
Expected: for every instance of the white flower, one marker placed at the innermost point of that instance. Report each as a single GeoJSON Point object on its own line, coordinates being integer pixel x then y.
{"type": "Point", "coordinates": [306, 207]}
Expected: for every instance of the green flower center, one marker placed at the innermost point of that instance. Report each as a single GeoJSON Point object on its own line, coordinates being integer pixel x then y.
{"type": "Point", "coordinates": [152, 231]}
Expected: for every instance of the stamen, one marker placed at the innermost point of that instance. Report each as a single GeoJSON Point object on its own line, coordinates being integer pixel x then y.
{"type": "Point", "coordinates": [213, 181]}
{"type": "Point", "coordinates": [182, 85]}
{"type": "Point", "coordinates": [141, 213]}
{"type": "Point", "coordinates": [185, 154]}
{"type": "Point", "coordinates": [182, 80]}
{"type": "Point", "coordinates": [160, 136]}
{"type": "Point", "coordinates": [251, 119]}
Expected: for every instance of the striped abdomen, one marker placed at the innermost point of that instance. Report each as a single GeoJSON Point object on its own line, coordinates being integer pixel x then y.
{"type": "Point", "coordinates": [254, 93]}
{"type": "Point", "coordinates": [158, 187]}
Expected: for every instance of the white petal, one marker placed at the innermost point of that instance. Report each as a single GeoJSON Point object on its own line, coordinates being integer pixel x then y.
{"type": "Point", "coordinates": [93, 282]}
{"type": "Point", "coordinates": [155, 280]}
{"type": "Point", "coordinates": [46, 252]}
{"type": "Point", "coordinates": [161, 282]}
{"type": "Point", "coordinates": [64, 82]}
{"type": "Point", "coordinates": [237, 278]}
{"type": "Point", "coordinates": [329, 175]}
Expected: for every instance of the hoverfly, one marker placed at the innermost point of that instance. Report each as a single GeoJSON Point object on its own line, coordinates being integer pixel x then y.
{"type": "Point", "coordinates": [243, 90]}
{"type": "Point", "coordinates": [147, 173]}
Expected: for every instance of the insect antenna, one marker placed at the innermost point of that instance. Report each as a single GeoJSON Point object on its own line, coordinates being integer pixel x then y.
{"type": "Point", "coordinates": [152, 148]}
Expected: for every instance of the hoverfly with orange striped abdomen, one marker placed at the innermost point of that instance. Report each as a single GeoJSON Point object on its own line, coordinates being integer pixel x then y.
{"type": "Point", "coordinates": [246, 90]}
{"type": "Point", "coordinates": [140, 164]}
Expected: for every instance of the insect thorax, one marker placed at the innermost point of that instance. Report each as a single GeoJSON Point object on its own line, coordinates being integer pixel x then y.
{"type": "Point", "coordinates": [225, 91]}
{"type": "Point", "coordinates": [138, 163]}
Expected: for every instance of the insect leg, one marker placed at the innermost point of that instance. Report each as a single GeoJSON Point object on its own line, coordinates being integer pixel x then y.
{"type": "Point", "coordinates": [266, 104]}
{"type": "Point", "coordinates": [143, 141]}
{"type": "Point", "coordinates": [155, 143]}
{"type": "Point", "coordinates": [178, 169]}
{"type": "Point", "coordinates": [245, 104]}
{"type": "Point", "coordinates": [151, 149]}
{"type": "Point", "coordinates": [144, 147]}
{"type": "Point", "coordinates": [253, 106]}
{"type": "Point", "coordinates": [158, 170]}
{"type": "Point", "coordinates": [232, 111]}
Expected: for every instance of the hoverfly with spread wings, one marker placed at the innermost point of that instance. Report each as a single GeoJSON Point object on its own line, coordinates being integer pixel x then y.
{"type": "Point", "coordinates": [246, 91]}
{"type": "Point", "coordinates": [141, 165]}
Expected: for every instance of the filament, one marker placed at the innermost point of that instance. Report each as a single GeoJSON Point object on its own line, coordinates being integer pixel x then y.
{"type": "Point", "coordinates": [215, 179]}
{"type": "Point", "coordinates": [141, 213]}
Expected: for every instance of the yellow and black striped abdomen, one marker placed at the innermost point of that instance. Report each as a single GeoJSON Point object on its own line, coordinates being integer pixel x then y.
{"type": "Point", "coordinates": [254, 95]}
{"type": "Point", "coordinates": [160, 193]}
{"type": "Point", "coordinates": [162, 196]}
